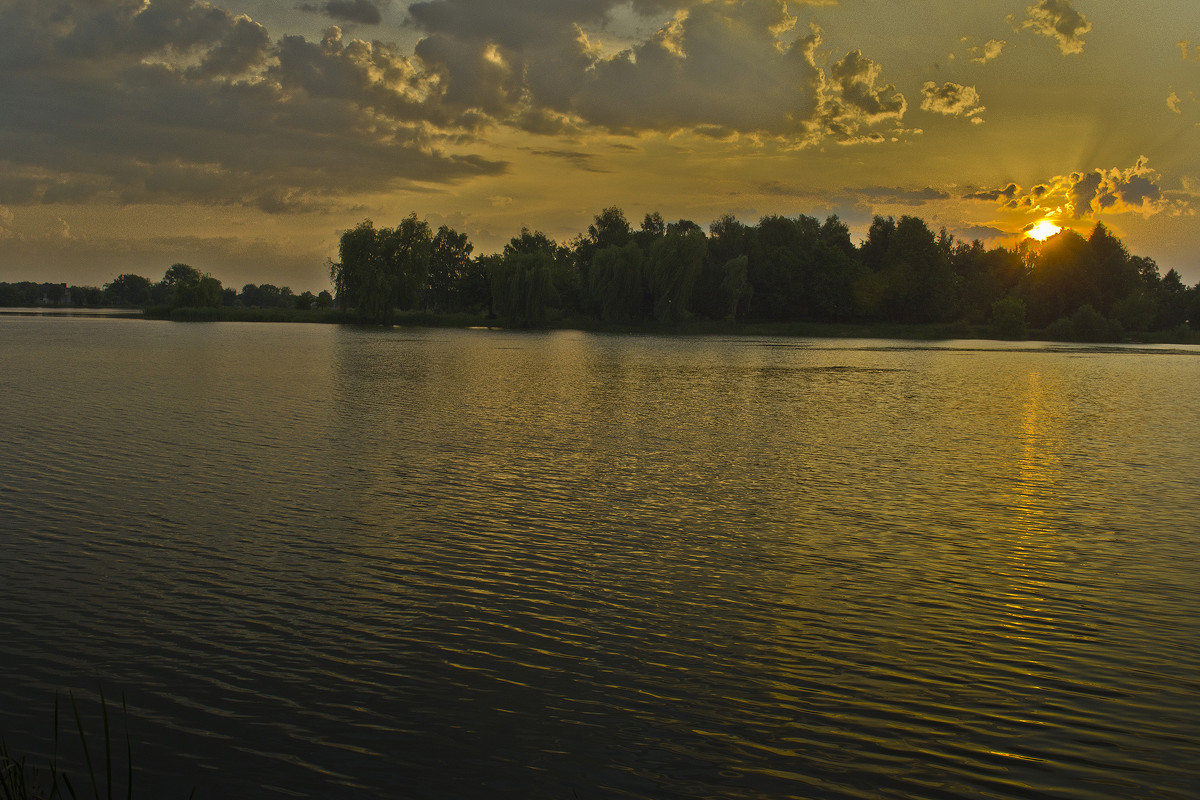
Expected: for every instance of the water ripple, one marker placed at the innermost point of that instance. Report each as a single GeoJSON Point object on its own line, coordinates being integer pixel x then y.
{"type": "Point", "coordinates": [326, 562]}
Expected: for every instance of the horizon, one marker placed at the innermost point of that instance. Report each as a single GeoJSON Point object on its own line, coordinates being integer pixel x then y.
{"type": "Point", "coordinates": [243, 138]}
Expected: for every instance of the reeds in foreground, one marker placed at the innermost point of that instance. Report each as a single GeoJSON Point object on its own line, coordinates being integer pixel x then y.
{"type": "Point", "coordinates": [20, 780]}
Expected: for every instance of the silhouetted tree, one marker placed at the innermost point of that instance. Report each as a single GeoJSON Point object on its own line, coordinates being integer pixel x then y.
{"type": "Point", "coordinates": [449, 261]}
{"type": "Point", "coordinates": [523, 287]}
{"type": "Point", "coordinates": [735, 288]}
{"type": "Point", "coordinates": [616, 282]}
{"type": "Point", "coordinates": [653, 228]}
{"type": "Point", "coordinates": [128, 290]}
{"type": "Point", "coordinates": [1008, 318]}
{"type": "Point", "coordinates": [382, 269]}
{"type": "Point", "coordinates": [1112, 272]}
{"type": "Point", "coordinates": [920, 285]}
{"type": "Point", "coordinates": [726, 242]}
{"type": "Point", "coordinates": [1058, 280]}
{"type": "Point", "coordinates": [874, 248]}
{"type": "Point", "coordinates": [672, 267]}
{"type": "Point", "coordinates": [184, 286]}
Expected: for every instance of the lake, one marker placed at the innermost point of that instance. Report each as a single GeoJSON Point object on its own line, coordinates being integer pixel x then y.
{"type": "Point", "coordinates": [332, 562]}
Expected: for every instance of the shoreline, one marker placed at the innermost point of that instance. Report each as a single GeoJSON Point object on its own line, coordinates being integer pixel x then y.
{"type": "Point", "coordinates": [696, 327]}
{"type": "Point", "coordinates": [944, 331]}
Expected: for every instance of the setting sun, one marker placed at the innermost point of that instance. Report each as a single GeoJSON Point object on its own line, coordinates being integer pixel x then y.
{"type": "Point", "coordinates": [1042, 230]}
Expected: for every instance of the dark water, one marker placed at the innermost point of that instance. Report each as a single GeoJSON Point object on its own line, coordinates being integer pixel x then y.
{"type": "Point", "coordinates": [334, 563]}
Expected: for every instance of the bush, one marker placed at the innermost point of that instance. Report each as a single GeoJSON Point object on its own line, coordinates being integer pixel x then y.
{"type": "Point", "coordinates": [1008, 318]}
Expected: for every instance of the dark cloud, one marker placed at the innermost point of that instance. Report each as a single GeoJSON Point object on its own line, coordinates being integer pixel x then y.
{"type": "Point", "coordinates": [181, 100]}
{"type": "Point", "coordinates": [866, 196]}
{"type": "Point", "coordinates": [1058, 20]}
{"type": "Point", "coordinates": [900, 196]}
{"type": "Point", "coordinates": [243, 48]}
{"type": "Point", "coordinates": [128, 101]}
{"type": "Point", "coordinates": [578, 159]}
{"type": "Point", "coordinates": [695, 73]}
{"type": "Point", "coordinates": [982, 232]}
{"type": "Point", "coordinates": [1137, 189]}
{"type": "Point", "coordinates": [1133, 190]}
{"type": "Point", "coordinates": [850, 100]}
{"type": "Point", "coordinates": [364, 12]}
{"type": "Point", "coordinates": [994, 195]}
{"type": "Point", "coordinates": [514, 24]}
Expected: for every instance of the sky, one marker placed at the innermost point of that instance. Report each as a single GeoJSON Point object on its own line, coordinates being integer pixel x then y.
{"type": "Point", "coordinates": [242, 136]}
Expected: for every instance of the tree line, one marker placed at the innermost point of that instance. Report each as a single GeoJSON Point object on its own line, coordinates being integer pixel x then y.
{"type": "Point", "coordinates": [782, 269]}
{"type": "Point", "coordinates": [182, 286]}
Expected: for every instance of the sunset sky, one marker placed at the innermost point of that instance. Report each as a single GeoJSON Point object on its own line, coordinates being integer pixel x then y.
{"type": "Point", "coordinates": [243, 136]}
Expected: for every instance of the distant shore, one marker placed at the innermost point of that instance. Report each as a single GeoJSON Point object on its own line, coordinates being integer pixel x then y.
{"type": "Point", "coordinates": [695, 327]}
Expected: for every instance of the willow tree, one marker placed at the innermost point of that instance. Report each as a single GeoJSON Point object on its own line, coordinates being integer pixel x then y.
{"type": "Point", "coordinates": [382, 269]}
{"type": "Point", "coordinates": [523, 287]}
{"type": "Point", "coordinates": [615, 282]}
{"type": "Point", "coordinates": [672, 268]}
{"type": "Point", "coordinates": [360, 281]}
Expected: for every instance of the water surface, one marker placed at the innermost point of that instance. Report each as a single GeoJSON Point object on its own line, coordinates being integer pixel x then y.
{"type": "Point", "coordinates": [331, 562]}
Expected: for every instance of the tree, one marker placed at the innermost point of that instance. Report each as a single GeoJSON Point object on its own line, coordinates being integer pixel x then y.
{"type": "Point", "coordinates": [523, 287]}
{"type": "Point", "coordinates": [184, 286]}
{"type": "Point", "coordinates": [735, 287]}
{"type": "Point", "coordinates": [1057, 280]}
{"type": "Point", "coordinates": [609, 229]}
{"type": "Point", "coordinates": [919, 282]}
{"type": "Point", "coordinates": [873, 251]}
{"type": "Point", "coordinates": [359, 279]}
{"type": "Point", "coordinates": [616, 282]}
{"type": "Point", "coordinates": [1111, 271]}
{"type": "Point", "coordinates": [653, 229]}
{"type": "Point", "coordinates": [774, 268]}
{"type": "Point", "coordinates": [449, 261]}
{"type": "Point", "coordinates": [672, 268]}
{"type": "Point", "coordinates": [128, 290]}
{"type": "Point", "coordinates": [382, 269]}
{"type": "Point", "coordinates": [406, 251]}
{"type": "Point", "coordinates": [1008, 318]}
{"type": "Point", "coordinates": [726, 242]}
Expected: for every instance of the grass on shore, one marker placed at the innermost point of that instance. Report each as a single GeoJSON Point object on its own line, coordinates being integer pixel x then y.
{"type": "Point", "coordinates": [692, 327]}
{"type": "Point", "coordinates": [20, 780]}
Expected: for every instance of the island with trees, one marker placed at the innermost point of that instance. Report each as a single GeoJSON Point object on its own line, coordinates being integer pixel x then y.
{"type": "Point", "coordinates": [783, 275]}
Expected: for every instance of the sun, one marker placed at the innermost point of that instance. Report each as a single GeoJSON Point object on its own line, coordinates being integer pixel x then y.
{"type": "Point", "coordinates": [1042, 230]}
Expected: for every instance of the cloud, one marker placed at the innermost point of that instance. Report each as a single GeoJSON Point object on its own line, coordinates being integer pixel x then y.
{"type": "Point", "coordinates": [995, 195]}
{"type": "Point", "coordinates": [127, 101]}
{"type": "Point", "coordinates": [1175, 102]}
{"type": "Point", "coordinates": [698, 72]}
{"type": "Point", "coordinates": [1058, 20]}
{"type": "Point", "coordinates": [1117, 191]}
{"type": "Point", "coordinates": [1133, 190]}
{"type": "Point", "coordinates": [114, 101]}
{"type": "Point", "coordinates": [693, 73]}
{"type": "Point", "coordinates": [953, 100]}
{"type": "Point", "coordinates": [241, 49]}
{"type": "Point", "coordinates": [364, 12]}
{"type": "Point", "coordinates": [988, 52]}
{"type": "Point", "coordinates": [850, 100]}
{"type": "Point", "coordinates": [900, 196]}
{"type": "Point", "coordinates": [7, 218]}
{"type": "Point", "coordinates": [578, 159]}
{"type": "Point", "coordinates": [982, 232]}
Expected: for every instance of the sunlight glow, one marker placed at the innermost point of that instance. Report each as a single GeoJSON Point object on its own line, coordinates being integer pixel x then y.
{"type": "Point", "coordinates": [1042, 230]}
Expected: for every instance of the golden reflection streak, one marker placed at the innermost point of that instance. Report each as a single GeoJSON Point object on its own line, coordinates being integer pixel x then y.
{"type": "Point", "coordinates": [1032, 496]}
{"type": "Point", "coordinates": [1035, 468]}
